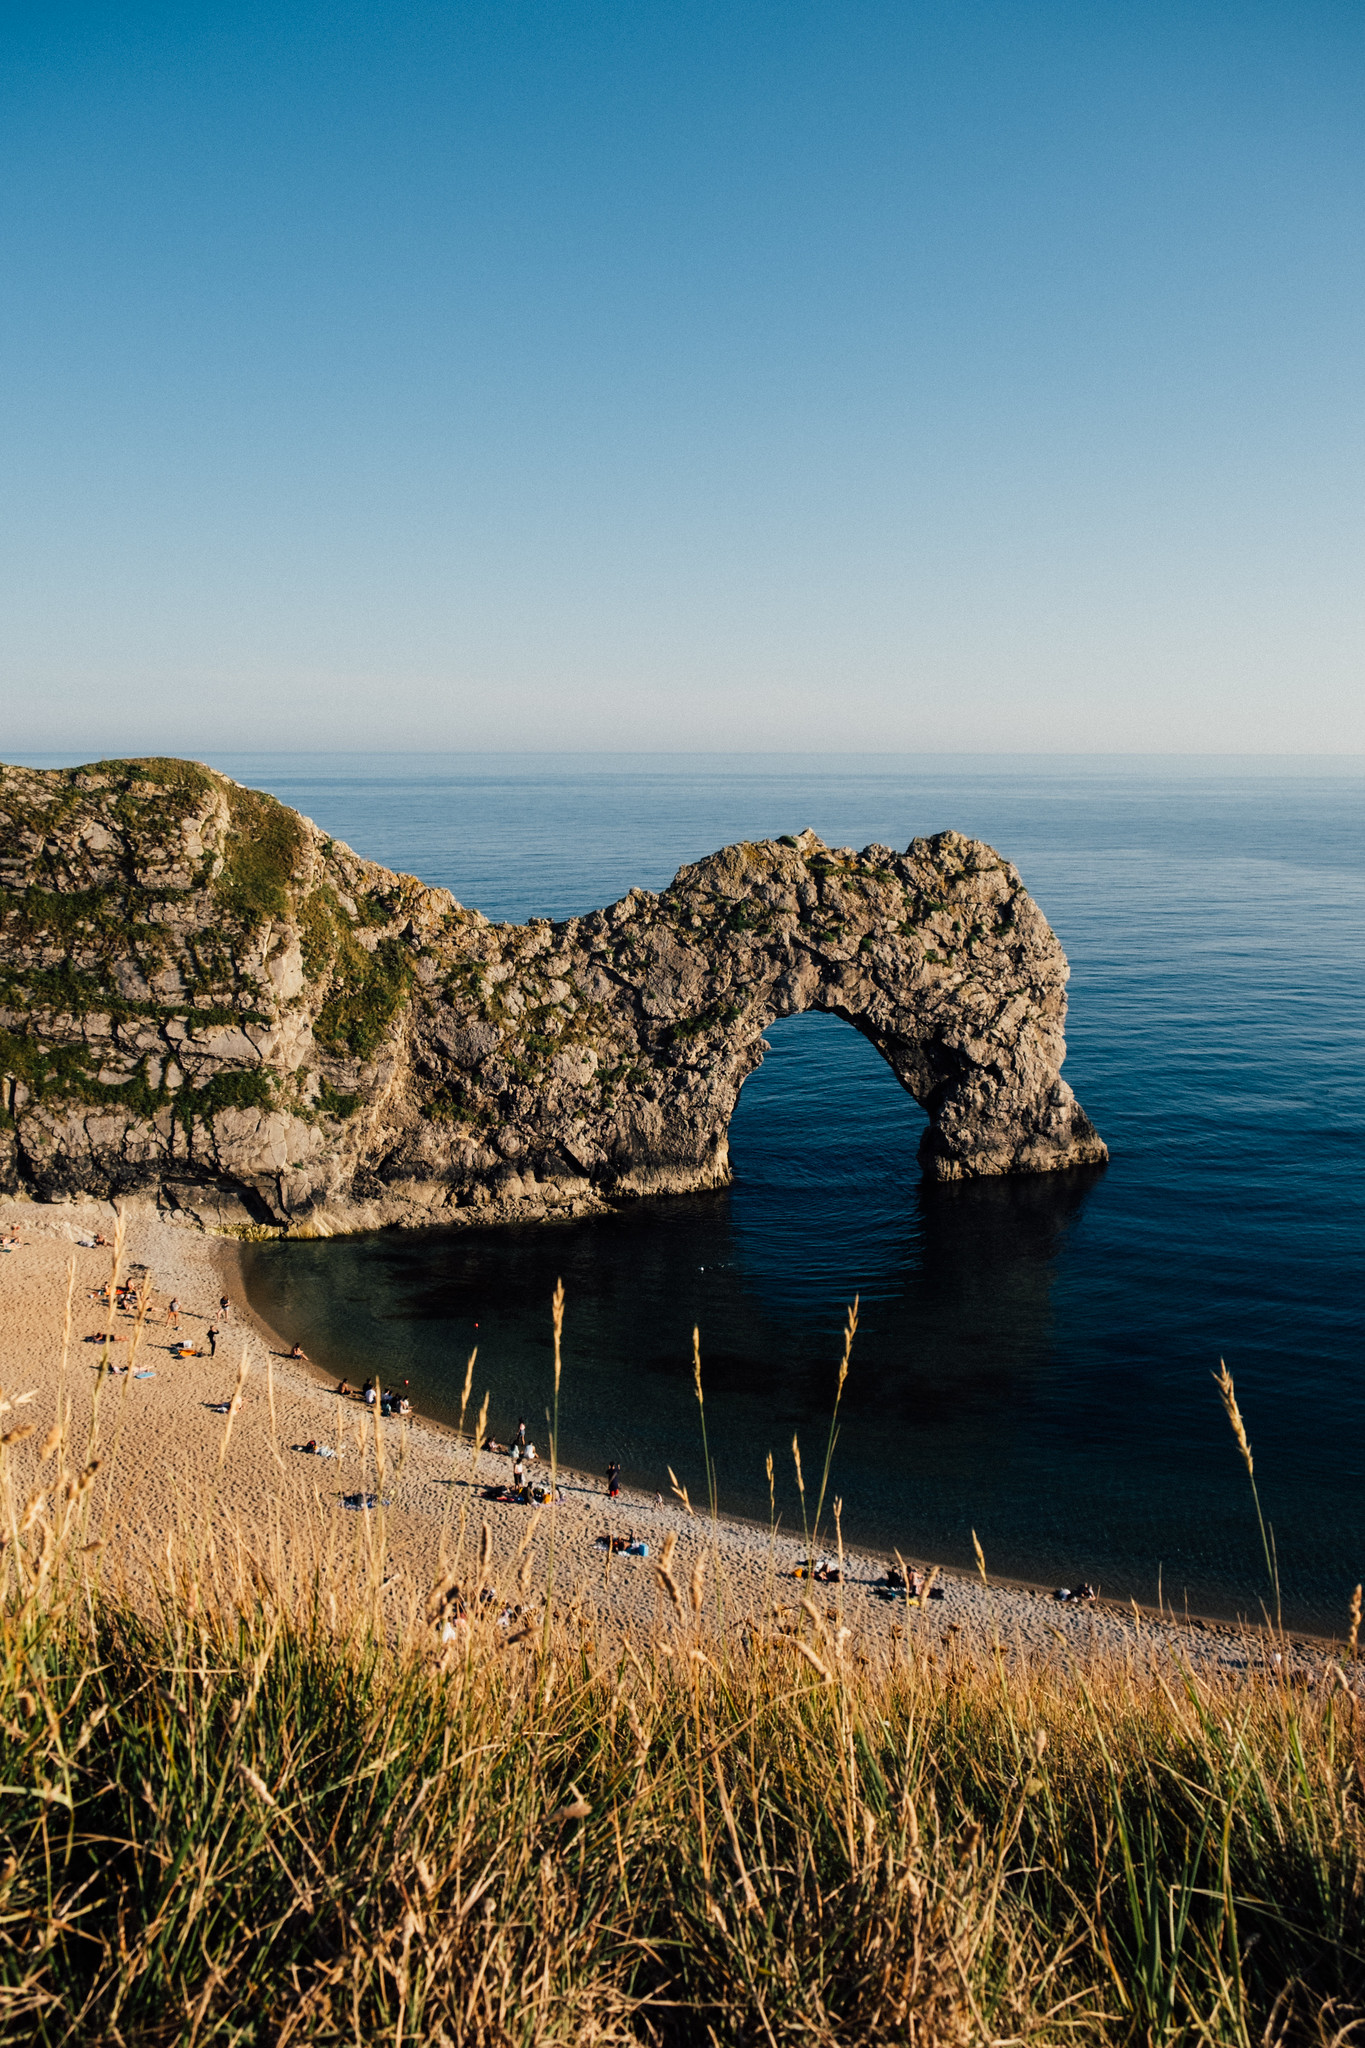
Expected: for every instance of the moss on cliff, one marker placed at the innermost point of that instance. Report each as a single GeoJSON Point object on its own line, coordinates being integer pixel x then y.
{"type": "Point", "coordinates": [336, 1102]}
{"type": "Point", "coordinates": [60, 1076]}
{"type": "Point", "coordinates": [367, 987]}
{"type": "Point", "coordinates": [367, 992]}
{"type": "Point", "coordinates": [265, 849]}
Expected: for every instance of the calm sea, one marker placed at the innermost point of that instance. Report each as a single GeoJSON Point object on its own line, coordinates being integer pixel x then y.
{"type": "Point", "coordinates": [1034, 1358]}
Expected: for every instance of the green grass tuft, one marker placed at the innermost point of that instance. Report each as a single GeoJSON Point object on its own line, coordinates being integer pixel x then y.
{"type": "Point", "coordinates": [368, 990]}
{"type": "Point", "coordinates": [265, 847]}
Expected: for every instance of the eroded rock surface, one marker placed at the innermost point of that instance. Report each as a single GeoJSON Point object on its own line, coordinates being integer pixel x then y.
{"type": "Point", "coordinates": [206, 1000]}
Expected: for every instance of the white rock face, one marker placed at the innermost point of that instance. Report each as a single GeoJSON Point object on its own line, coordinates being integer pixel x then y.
{"type": "Point", "coordinates": [206, 1000]}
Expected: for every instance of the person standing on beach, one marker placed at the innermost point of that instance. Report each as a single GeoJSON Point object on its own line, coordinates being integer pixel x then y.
{"type": "Point", "coordinates": [213, 1342]}
{"type": "Point", "coordinates": [173, 1313]}
{"type": "Point", "coordinates": [225, 1308]}
{"type": "Point", "coordinates": [613, 1481]}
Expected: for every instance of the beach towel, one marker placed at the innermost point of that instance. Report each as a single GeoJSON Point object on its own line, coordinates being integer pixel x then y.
{"type": "Point", "coordinates": [145, 1374]}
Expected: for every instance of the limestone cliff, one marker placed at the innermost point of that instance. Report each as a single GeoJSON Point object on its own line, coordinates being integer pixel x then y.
{"type": "Point", "coordinates": [206, 1000]}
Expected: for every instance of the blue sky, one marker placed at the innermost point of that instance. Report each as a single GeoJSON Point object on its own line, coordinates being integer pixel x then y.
{"type": "Point", "coordinates": [683, 376]}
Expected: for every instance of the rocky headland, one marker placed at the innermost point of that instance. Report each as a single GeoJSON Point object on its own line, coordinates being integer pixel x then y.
{"type": "Point", "coordinates": [206, 1001]}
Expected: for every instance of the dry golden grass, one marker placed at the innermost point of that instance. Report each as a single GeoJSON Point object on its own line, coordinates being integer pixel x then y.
{"type": "Point", "coordinates": [246, 1799]}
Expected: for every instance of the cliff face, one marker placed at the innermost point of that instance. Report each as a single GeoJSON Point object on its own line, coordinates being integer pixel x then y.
{"type": "Point", "coordinates": [204, 999]}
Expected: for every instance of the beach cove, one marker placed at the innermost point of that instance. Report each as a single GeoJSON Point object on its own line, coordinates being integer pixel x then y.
{"type": "Point", "coordinates": [165, 1463]}
{"type": "Point", "coordinates": [1036, 1351]}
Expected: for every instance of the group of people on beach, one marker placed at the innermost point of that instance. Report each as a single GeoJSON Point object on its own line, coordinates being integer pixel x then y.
{"type": "Point", "coordinates": [525, 1489]}
{"type": "Point", "coordinates": [132, 1297]}
{"type": "Point", "coordinates": [526, 1493]}
{"type": "Point", "coordinates": [454, 1617]}
{"type": "Point", "coordinates": [184, 1349]}
{"type": "Point", "coordinates": [388, 1400]}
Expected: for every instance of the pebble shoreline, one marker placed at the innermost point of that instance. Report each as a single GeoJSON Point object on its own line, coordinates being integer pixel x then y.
{"type": "Point", "coordinates": [163, 1439]}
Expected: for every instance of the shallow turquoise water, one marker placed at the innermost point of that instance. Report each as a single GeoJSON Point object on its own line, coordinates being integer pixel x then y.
{"type": "Point", "coordinates": [1034, 1358]}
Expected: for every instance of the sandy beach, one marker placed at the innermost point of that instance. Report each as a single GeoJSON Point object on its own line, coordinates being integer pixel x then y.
{"type": "Point", "coordinates": [172, 1453]}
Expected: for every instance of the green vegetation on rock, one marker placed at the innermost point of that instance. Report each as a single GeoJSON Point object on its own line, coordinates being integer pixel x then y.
{"type": "Point", "coordinates": [264, 849]}
{"type": "Point", "coordinates": [367, 992]}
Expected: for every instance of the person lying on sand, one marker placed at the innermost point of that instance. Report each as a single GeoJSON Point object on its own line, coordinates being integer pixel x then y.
{"type": "Point", "coordinates": [824, 1570]}
{"type": "Point", "coordinates": [623, 1546]}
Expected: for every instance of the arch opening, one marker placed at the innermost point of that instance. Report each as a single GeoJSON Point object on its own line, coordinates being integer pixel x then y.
{"type": "Point", "coordinates": [824, 1109]}
{"type": "Point", "coordinates": [824, 1154]}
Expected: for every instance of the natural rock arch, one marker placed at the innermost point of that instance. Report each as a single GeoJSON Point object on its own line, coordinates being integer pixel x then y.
{"type": "Point", "coordinates": [938, 957]}
{"type": "Point", "coordinates": [208, 1000]}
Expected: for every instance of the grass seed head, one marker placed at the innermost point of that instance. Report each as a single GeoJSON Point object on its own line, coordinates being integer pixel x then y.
{"type": "Point", "coordinates": [1234, 1413]}
{"type": "Point", "coordinates": [669, 1585]}
{"type": "Point", "coordinates": [698, 1583]}
{"type": "Point", "coordinates": [817, 1664]}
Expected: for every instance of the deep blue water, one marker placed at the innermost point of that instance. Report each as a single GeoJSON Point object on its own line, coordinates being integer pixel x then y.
{"type": "Point", "coordinates": [1034, 1357]}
